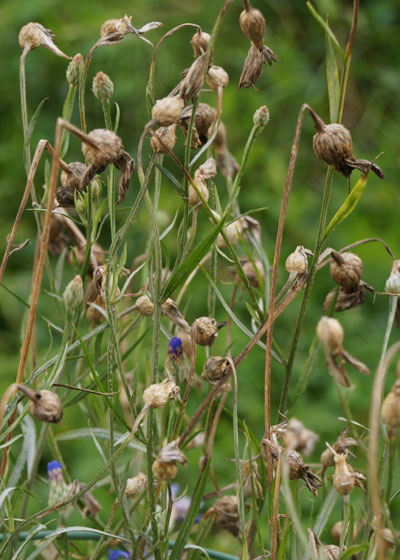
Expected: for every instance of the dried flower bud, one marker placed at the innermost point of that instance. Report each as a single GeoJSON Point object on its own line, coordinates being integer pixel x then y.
{"type": "Point", "coordinates": [333, 144]}
{"type": "Point", "coordinates": [226, 514]}
{"type": "Point", "coordinates": [261, 117]}
{"type": "Point", "coordinates": [33, 35]}
{"type": "Point", "coordinates": [200, 42]}
{"type": "Point", "coordinates": [330, 333]}
{"type": "Point", "coordinates": [346, 270]}
{"type": "Point", "coordinates": [215, 369]}
{"type": "Point", "coordinates": [144, 306]}
{"type": "Point", "coordinates": [343, 479]}
{"type": "Point", "coordinates": [164, 471]}
{"type": "Point", "coordinates": [45, 405]}
{"type": "Point", "coordinates": [233, 232]}
{"type": "Point", "coordinates": [109, 147]}
{"type": "Point", "coordinates": [205, 331]}
{"type": "Point", "coordinates": [74, 70]}
{"type": "Point", "coordinates": [73, 294]}
{"type": "Point", "coordinates": [164, 137]}
{"type": "Point", "coordinates": [390, 410]}
{"type": "Point", "coordinates": [194, 198]}
{"type": "Point", "coordinates": [217, 77]}
{"type": "Point", "coordinates": [158, 394]}
{"type": "Point", "coordinates": [164, 467]}
{"type": "Point", "coordinates": [102, 87]}
{"type": "Point", "coordinates": [254, 274]}
{"type": "Point", "coordinates": [297, 262]}
{"type": "Point", "coordinates": [393, 282]}
{"type": "Point", "coordinates": [167, 110]}
{"type": "Point", "coordinates": [135, 486]}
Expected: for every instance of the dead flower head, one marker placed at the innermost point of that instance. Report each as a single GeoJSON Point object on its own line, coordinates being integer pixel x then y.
{"type": "Point", "coordinates": [114, 30]}
{"type": "Point", "coordinates": [226, 514]}
{"type": "Point", "coordinates": [44, 405]}
{"type": "Point", "coordinates": [164, 139]}
{"type": "Point", "coordinates": [167, 111]}
{"type": "Point", "coordinates": [157, 395]}
{"type": "Point", "coordinates": [341, 445]}
{"type": "Point", "coordinates": [200, 42]}
{"type": "Point", "coordinates": [194, 79]}
{"type": "Point", "coordinates": [165, 467]}
{"type": "Point", "coordinates": [33, 35]}
{"type": "Point", "coordinates": [215, 369]}
{"type": "Point", "coordinates": [390, 409]}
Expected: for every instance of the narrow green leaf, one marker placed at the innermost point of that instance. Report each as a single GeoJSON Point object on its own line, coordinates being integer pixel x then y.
{"type": "Point", "coordinates": [32, 122]}
{"type": "Point", "coordinates": [348, 205]}
{"type": "Point", "coordinates": [326, 27]}
{"type": "Point", "coordinates": [282, 547]}
{"type": "Point", "coordinates": [170, 178]}
{"type": "Point", "coordinates": [117, 116]}
{"type": "Point", "coordinates": [183, 535]}
{"type": "Point", "coordinates": [193, 259]}
{"type": "Point", "coordinates": [355, 548]}
{"type": "Point", "coordinates": [332, 78]}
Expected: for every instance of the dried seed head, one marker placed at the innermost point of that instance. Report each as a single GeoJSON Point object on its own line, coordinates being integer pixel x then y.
{"type": "Point", "coordinates": [72, 180]}
{"type": "Point", "coordinates": [73, 294]}
{"type": "Point", "coordinates": [345, 300]}
{"type": "Point", "coordinates": [164, 137]}
{"type": "Point", "coordinates": [390, 410]}
{"type": "Point", "coordinates": [252, 24]}
{"type": "Point", "coordinates": [122, 26]}
{"type": "Point", "coordinates": [167, 110]}
{"type": "Point", "coordinates": [261, 117]}
{"type": "Point", "coordinates": [217, 77]}
{"type": "Point", "coordinates": [135, 486]}
{"type": "Point", "coordinates": [393, 282]}
{"type": "Point", "coordinates": [33, 35]}
{"type": "Point", "coordinates": [296, 436]}
{"type": "Point", "coordinates": [330, 333]}
{"type": "Point", "coordinates": [233, 232]}
{"type": "Point", "coordinates": [333, 144]}
{"type": "Point", "coordinates": [205, 331]}
{"type": "Point", "coordinates": [164, 471]}
{"type": "Point", "coordinates": [74, 70]}
{"type": "Point", "coordinates": [343, 479]}
{"type": "Point", "coordinates": [45, 405]}
{"type": "Point", "coordinates": [346, 270]}
{"type": "Point", "coordinates": [204, 121]}
{"type": "Point", "coordinates": [226, 514]}
{"type": "Point", "coordinates": [194, 79]}
{"type": "Point", "coordinates": [297, 469]}
{"type": "Point", "coordinates": [194, 198]}
{"type": "Point", "coordinates": [297, 261]}
{"type": "Point", "coordinates": [341, 445]}
{"type": "Point", "coordinates": [102, 87]}
{"type": "Point", "coordinates": [252, 68]}
{"type": "Point", "coordinates": [207, 170]}
{"type": "Point", "coordinates": [109, 147]}
{"type": "Point", "coordinates": [332, 552]}
{"type": "Point", "coordinates": [144, 305]}
{"type": "Point", "coordinates": [215, 369]}
{"type": "Point", "coordinates": [254, 274]}
{"type": "Point", "coordinates": [158, 394]}
{"type": "Point", "coordinates": [200, 42]}
{"type": "Point", "coordinates": [164, 467]}
{"type": "Point", "coordinates": [170, 309]}
{"type": "Point", "coordinates": [94, 316]}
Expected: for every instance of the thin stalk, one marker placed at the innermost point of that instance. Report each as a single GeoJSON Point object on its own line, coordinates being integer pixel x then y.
{"type": "Point", "coordinates": [24, 113]}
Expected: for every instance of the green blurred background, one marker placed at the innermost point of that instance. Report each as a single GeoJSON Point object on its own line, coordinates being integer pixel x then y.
{"type": "Point", "coordinates": [371, 113]}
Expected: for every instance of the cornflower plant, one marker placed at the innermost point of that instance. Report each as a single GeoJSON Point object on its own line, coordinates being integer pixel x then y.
{"type": "Point", "coordinates": [149, 382]}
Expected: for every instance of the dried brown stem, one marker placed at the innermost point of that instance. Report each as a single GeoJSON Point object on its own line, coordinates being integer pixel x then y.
{"type": "Point", "coordinates": [274, 546]}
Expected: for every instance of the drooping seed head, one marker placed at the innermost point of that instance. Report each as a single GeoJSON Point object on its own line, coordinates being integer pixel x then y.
{"type": "Point", "coordinates": [346, 270]}
{"type": "Point", "coordinates": [123, 26]}
{"type": "Point", "coordinates": [109, 147]}
{"type": "Point", "coordinates": [33, 35]}
{"type": "Point", "coordinates": [164, 137]}
{"type": "Point", "coordinates": [333, 144]}
{"type": "Point", "coordinates": [215, 369]}
{"type": "Point", "coordinates": [217, 77]}
{"type": "Point", "coordinates": [167, 110]}
{"type": "Point", "coordinates": [330, 333]}
{"type": "Point", "coordinates": [205, 331]}
{"type": "Point", "coordinates": [297, 261]}
{"type": "Point", "coordinates": [44, 405]}
{"type": "Point", "coordinates": [157, 395]}
{"type": "Point", "coordinates": [144, 306]}
{"type": "Point", "coordinates": [200, 42]}
{"type": "Point", "coordinates": [252, 24]}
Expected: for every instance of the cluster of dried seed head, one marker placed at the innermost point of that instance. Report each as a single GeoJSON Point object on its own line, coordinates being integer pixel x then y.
{"type": "Point", "coordinates": [226, 514]}
{"type": "Point", "coordinates": [33, 35]}
{"type": "Point", "coordinates": [206, 171]}
{"type": "Point", "coordinates": [44, 405]}
{"type": "Point", "coordinates": [165, 466]}
{"type": "Point", "coordinates": [135, 486]}
{"type": "Point", "coordinates": [157, 395]}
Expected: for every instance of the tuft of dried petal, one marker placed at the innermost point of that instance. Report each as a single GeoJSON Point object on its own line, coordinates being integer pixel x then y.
{"type": "Point", "coordinates": [330, 333]}
{"type": "Point", "coordinates": [215, 369]}
{"type": "Point", "coordinates": [33, 35]}
{"type": "Point", "coordinates": [144, 305]}
{"type": "Point", "coordinates": [226, 514]}
{"type": "Point", "coordinates": [390, 409]}
{"type": "Point", "coordinates": [297, 469]}
{"type": "Point", "coordinates": [164, 137]}
{"type": "Point", "coordinates": [158, 394]}
{"type": "Point", "coordinates": [194, 79]}
{"type": "Point", "coordinates": [167, 110]}
{"type": "Point", "coordinates": [200, 42]}
{"type": "Point", "coordinates": [343, 479]}
{"type": "Point", "coordinates": [217, 77]}
{"type": "Point", "coordinates": [45, 405]}
{"type": "Point", "coordinates": [346, 270]}
{"type": "Point", "coordinates": [136, 485]}
{"type": "Point", "coordinates": [297, 262]}
{"type": "Point", "coordinates": [205, 331]}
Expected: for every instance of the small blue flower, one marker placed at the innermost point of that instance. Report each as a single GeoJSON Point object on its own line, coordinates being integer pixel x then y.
{"type": "Point", "coordinates": [58, 489]}
{"type": "Point", "coordinates": [175, 349]}
{"type": "Point", "coordinates": [117, 554]}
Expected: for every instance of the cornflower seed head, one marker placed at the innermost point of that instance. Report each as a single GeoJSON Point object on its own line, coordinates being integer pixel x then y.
{"type": "Point", "coordinates": [157, 395]}
{"type": "Point", "coordinates": [144, 306]}
{"type": "Point", "coordinates": [164, 137]}
{"type": "Point", "coordinates": [346, 270]}
{"type": "Point", "coordinates": [44, 405]}
{"type": "Point", "coordinates": [72, 180]}
{"type": "Point", "coordinates": [297, 261]}
{"type": "Point", "coordinates": [74, 70]}
{"type": "Point", "coordinates": [33, 35]}
{"type": "Point", "coordinates": [102, 87]}
{"type": "Point", "coordinates": [217, 77]}
{"type": "Point", "coordinates": [390, 409]}
{"type": "Point", "coordinates": [109, 147]}
{"type": "Point", "coordinates": [205, 331]}
{"type": "Point", "coordinates": [330, 333]}
{"type": "Point", "coordinates": [135, 486]}
{"type": "Point", "coordinates": [215, 369]}
{"type": "Point", "coordinates": [341, 445]}
{"type": "Point", "coordinates": [200, 42]}
{"type": "Point", "coordinates": [252, 24]}
{"type": "Point", "coordinates": [393, 282]}
{"type": "Point", "coordinates": [73, 294]}
{"type": "Point", "coordinates": [167, 110]}
{"type": "Point", "coordinates": [343, 479]}
{"type": "Point", "coordinates": [261, 117]}
{"type": "Point", "coordinates": [164, 471]}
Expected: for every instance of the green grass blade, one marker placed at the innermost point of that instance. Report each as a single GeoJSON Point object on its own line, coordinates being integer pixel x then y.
{"type": "Point", "coordinates": [327, 29]}
{"type": "Point", "coordinates": [332, 78]}
{"type": "Point", "coordinates": [170, 178]}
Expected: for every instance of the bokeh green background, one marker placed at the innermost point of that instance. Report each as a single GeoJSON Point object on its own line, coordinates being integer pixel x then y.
{"type": "Point", "coordinates": [371, 113]}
